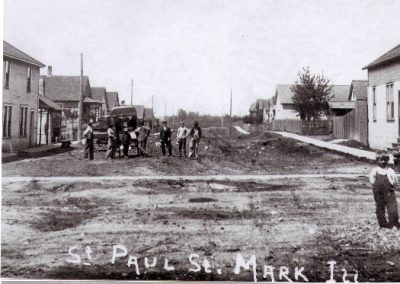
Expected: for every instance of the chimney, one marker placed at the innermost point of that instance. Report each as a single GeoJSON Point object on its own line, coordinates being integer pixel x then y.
{"type": "Point", "coordinates": [49, 71]}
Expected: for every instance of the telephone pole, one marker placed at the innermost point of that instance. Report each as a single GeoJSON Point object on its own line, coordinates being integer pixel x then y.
{"type": "Point", "coordinates": [152, 102]}
{"type": "Point", "coordinates": [80, 108]}
{"type": "Point", "coordinates": [230, 115]}
{"type": "Point", "coordinates": [132, 92]}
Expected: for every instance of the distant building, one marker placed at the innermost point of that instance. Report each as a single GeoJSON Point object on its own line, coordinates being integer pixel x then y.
{"type": "Point", "coordinates": [283, 100]}
{"type": "Point", "coordinates": [139, 112]}
{"type": "Point", "coordinates": [283, 103]}
{"type": "Point", "coordinates": [20, 99]}
{"type": "Point", "coordinates": [383, 99]}
{"type": "Point", "coordinates": [261, 109]}
{"type": "Point", "coordinates": [112, 100]}
{"type": "Point", "coordinates": [149, 118]}
{"type": "Point", "coordinates": [253, 110]}
{"type": "Point", "coordinates": [358, 90]}
{"type": "Point", "coordinates": [66, 92]}
{"type": "Point", "coordinates": [99, 94]}
{"type": "Point", "coordinates": [340, 104]}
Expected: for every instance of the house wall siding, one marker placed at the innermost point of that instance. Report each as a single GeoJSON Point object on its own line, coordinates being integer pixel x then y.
{"type": "Point", "coordinates": [285, 111]}
{"type": "Point", "coordinates": [382, 133]}
{"type": "Point", "coordinates": [15, 96]}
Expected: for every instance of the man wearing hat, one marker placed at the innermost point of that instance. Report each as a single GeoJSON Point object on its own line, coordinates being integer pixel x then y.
{"type": "Point", "coordinates": [165, 138]}
{"type": "Point", "coordinates": [89, 146]}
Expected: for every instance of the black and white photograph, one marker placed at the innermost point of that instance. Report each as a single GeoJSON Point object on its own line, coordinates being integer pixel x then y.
{"type": "Point", "coordinates": [200, 140]}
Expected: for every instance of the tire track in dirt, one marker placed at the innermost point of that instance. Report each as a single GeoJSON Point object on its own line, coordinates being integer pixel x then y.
{"type": "Point", "coordinates": [232, 178]}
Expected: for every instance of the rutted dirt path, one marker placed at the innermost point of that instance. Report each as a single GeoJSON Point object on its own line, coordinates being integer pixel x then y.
{"type": "Point", "coordinates": [265, 154]}
{"type": "Point", "coordinates": [292, 222]}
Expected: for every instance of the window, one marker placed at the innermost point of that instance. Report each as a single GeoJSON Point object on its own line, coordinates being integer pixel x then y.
{"type": "Point", "coordinates": [374, 103]}
{"type": "Point", "coordinates": [6, 74]}
{"type": "Point", "coordinates": [28, 80]}
{"type": "Point", "coordinates": [7, 116]}
{"type": "Point", "coordinates": [389, 102]}
{"type": "Point", "coordinates": [23, 121]}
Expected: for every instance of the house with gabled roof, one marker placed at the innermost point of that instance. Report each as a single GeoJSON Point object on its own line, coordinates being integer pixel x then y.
{"type": "Point", "coordinates": [358, 90]}
{"type": "Point", "coordinates": [283, 100]}
{"type": "Point", "coordinates": [112, 100]}
{"type": "Point", "coordinates": [261, 108]}
{"type": "Point", "coordinates": [99, 94]}
{"type": "Point", "coordinates": [66, 92]}
{"type": "Point", "coordinates": [384, 100]}
{"type": "Point", "coordinates": [20, 99]}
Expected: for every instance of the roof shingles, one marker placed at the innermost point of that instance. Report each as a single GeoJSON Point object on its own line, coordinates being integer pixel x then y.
{"type": "Point", "coordinates": [285, 94]}
{"type": "Point", "coordinates": [15, 53]}
{"type": "Point", "coordinates": [391, 56]}
{"type": "Point", "coordinates": [65, 88]}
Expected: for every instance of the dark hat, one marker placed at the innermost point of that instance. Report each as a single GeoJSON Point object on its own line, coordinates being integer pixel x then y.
{"type": "Point", "coordinates": [382, 155]}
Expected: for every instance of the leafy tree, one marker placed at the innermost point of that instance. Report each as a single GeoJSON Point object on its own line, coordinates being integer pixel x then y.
{"type": "Point", "coordinates": [311, 95]}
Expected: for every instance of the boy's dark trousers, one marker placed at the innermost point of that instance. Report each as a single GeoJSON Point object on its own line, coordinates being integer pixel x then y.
{"type": "Point", "coordinates": [89, 148]}
{"type": "Point", "coordinates": [385, 200]}
{"type": "Point", "coordinates": [168, 145]}
{"type": "Point", "coordinates": [125, 150]}
{"type": "Point", "coordinates": [182, 145]}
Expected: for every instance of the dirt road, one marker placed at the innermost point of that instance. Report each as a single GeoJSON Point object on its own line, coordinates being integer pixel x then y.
{"type": "Point", "coordinates": [284, 222]}
{"type": "Point", "coordinates": [243, 155]}
{"type": "Point", "coordinates": [291, 222]}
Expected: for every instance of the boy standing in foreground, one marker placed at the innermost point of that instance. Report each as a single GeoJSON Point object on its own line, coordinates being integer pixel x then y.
{"type": "Point", "coordinates": [384, 180]}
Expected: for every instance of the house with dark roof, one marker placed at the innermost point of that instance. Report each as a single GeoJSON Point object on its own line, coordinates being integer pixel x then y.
{"type": "Point", "coordinates": [383, 99]}
{"type": "Point", "coordinates": [358, 90]}
{"type": "Point", "coordinates": [283, 100]}
{"type": "Point", "coordinates": [20, 99]}
{"type": "Point", "coordinates": [261, 109]}
{"type": "Point", "coordinates": [112, 100]}
{"type": "Point", "coordinates": [340, 104]}
{"type": "Point", "coordinates": [66, 92]}
{"type": "Point", "coordinates": [99, 94]}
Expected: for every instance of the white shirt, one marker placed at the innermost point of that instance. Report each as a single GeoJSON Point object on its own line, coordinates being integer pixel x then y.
{"type": "Point", "coordinates": [389, 172]}
{"type": "Point", "coordinates": [87, 130]}
{"type": "Point", "coordinates": [110, 133]}
{"type": "Point", "coordinates": [182, 132]}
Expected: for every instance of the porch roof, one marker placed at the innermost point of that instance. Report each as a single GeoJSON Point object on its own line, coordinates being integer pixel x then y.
{"type": "Point", "coordinates": [88, 100]}
{"type": "Point", "coordinates": [342, 105]}
{"type": "Point", "coordinates": [46, 103]}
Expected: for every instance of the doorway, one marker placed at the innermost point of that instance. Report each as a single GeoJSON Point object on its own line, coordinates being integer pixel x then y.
{"type": "Point", "coordinates": [32, 128]}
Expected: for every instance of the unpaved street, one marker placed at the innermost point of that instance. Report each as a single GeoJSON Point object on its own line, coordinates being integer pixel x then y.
{"type": "Point", "coordinates": [266, 153]}
{"type": "Point", "coordinates": [292, 222]}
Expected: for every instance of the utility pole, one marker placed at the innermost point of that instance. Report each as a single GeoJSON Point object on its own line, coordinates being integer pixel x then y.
{"type": "Point", "coordinates": [132, 92]}
{"type": "Point", "coordinates": [165, 110]}
{"type": "Point", "coordinates": [152, 102]}
{"type": "Point", "coordinates": [80, 109]}
{"type": "Point", "coordinates": [230, 114]}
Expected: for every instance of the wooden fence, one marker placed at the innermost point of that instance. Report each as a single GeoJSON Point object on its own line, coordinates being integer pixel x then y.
{"type": "Point", "coordinates": [353, 125]}
{"type": "Point", "coordinates": [304, 127]}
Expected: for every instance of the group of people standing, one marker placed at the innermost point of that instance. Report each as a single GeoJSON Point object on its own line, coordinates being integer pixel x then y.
{"type": "Point", "coordinates": [181, 139]}
{"type": "Point", "coordinates": [138, 138]}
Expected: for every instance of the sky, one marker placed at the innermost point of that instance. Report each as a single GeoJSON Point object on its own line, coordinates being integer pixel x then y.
{"type": "Point", "coordinates": [190, 54]}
